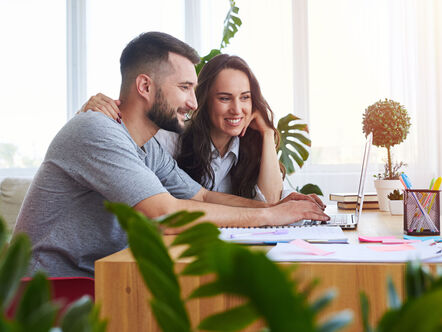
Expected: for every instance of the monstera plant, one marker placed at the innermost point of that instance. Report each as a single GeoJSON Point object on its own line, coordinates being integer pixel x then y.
{"type": "Point", "coordinates": [294, 144]}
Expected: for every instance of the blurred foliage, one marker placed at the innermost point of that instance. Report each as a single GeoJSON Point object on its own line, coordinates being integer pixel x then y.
{"type": "Point", "coordinates": [270, 295]}
{"type": "Point", "coordinates": [420, 311]}
{"type": "Point", "coordinates": [36, 311]}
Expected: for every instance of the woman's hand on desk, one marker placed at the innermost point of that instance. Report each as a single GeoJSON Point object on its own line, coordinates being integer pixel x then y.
{"type": "Point", "coordinates": [294, 196]}
{"type": "Point", "coordinates": [291, 211]}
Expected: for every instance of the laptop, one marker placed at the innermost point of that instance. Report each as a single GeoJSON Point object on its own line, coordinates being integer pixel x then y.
{"type": "Point", "coordinates": [347, 221]}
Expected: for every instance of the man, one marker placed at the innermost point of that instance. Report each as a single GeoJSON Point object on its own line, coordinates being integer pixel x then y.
{"type": "Point", "coordinates": [93, 159]}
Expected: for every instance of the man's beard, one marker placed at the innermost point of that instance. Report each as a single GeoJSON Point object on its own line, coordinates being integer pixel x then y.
{"type": "Point", "coordinates": [163, 115]}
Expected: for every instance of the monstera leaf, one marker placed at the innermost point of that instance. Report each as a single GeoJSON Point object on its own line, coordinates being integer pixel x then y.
{"type": "Point", "coordinates": [292, 148]}
{"type": "Point", "coordinates": [231, 24]}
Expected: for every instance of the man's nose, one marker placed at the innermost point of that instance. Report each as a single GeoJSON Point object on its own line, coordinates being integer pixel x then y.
{"type": "Point", "coordinates": [192, 102]}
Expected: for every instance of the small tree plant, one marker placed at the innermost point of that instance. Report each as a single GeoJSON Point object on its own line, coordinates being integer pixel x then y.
{"type": "Point", "coordinates": [389, 122]}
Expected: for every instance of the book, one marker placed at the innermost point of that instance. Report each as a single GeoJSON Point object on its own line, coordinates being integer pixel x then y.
{"type": "Point", "coordinates": [352, 205]}
{"type": "Point", "coordinates": [275, 234]}
{"type": "Point", "coordinates": [352, 197]}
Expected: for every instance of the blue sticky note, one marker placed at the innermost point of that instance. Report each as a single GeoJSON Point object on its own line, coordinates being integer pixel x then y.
{"type": "Point", "coordinates": [423, 238]}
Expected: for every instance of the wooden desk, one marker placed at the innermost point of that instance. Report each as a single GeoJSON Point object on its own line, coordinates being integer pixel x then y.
{"type": "Point", "coordinates": [123, 297]}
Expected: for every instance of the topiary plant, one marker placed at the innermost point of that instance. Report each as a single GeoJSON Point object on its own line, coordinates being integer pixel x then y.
{"type": "Point", "coordinates": [389, 122]}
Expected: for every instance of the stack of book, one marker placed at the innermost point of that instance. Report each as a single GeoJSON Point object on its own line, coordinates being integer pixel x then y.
{"type": "Point", "coordinates": [347, 201]}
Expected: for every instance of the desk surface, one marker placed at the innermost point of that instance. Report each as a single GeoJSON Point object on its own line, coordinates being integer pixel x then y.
{"type": "Point", "coordinates": [123, 297]}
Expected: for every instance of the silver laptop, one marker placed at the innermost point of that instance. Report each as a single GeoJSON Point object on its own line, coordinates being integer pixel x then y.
{"type": "Point", "coordinates": [348, 221]}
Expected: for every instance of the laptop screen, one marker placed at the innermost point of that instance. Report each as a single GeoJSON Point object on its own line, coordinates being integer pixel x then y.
{"type": "Point", "coordinates": [360, 199]}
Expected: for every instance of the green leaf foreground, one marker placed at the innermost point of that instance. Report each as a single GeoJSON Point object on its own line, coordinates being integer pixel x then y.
{"type": "Point", "coordinates": [35, 310]}
{"type": "Point", "coordinates": [270, 294]}
{"type": "Point", "coordinates": [421, 309]}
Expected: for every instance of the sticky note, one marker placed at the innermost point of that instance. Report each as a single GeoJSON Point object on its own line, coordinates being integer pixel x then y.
{"type": "Point", "coordinates": [376, 238]}
{"type": "Point", "coordinates": [310, 248]}
{"type": "Point", "coordinates": [393, 247]}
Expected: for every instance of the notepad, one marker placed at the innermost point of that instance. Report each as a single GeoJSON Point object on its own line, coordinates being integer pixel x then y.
{"type": "Point", "coordinates": [272, 235]}
{"type": "Point", "coordinates": [286, 252]}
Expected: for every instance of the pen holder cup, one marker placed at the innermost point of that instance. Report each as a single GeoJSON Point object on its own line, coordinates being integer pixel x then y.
{"type": "Point", "coordinates": [416, 222]}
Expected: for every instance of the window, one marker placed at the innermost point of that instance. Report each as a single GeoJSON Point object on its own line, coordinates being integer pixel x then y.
{"type": "Point", "coordinates": [33, 79]}
{"type": "Point", "coordinates": [108, 32]}
{"type": "Point", "coordinates": [264, 41]}
{"type": "Point", "coordinates": [348, 70]}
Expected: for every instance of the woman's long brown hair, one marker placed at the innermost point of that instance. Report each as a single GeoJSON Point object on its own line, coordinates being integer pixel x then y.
{"type": "Point", "coordinates": [195, 143]}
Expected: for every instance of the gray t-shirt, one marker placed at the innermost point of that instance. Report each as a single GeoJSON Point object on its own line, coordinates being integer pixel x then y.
{"type": "Point", "coordinates": [92, 159]}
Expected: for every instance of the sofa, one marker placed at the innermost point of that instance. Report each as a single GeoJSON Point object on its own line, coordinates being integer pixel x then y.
{"type": "Point", "coordinates": [12, 193]}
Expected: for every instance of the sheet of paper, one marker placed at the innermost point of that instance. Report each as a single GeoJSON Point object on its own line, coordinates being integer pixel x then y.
{"type": "Point", "coordinates": [285, 252]}
{"type": "Point", "coordinates": [281, 234]}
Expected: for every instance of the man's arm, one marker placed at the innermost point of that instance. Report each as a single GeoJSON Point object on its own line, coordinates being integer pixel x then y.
{"type": "Point", "coordinates": [229, 216]}
{"type": "Point", "coordinates": [215, 197]}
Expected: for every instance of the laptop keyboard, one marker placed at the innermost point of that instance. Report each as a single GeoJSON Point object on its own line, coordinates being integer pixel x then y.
{"type": "Point", "coordinates": [338, 219]}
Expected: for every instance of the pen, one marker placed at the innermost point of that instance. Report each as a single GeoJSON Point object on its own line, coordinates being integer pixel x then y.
{"type": "Point", "coordinates": [337, 241]}
{"type": "Point", "coordinates": [277, 232]}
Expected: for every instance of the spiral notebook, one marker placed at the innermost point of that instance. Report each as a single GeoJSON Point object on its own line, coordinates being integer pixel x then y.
{"type": "Point", "coordinates": [273, 235]}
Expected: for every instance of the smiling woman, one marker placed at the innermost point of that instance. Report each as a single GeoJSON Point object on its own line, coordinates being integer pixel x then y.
{"type": "Point", "coordinates": [230, 104]}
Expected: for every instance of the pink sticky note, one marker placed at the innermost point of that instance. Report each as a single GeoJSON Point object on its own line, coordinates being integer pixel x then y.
{"type": "Point", "coordinates": [393, 247]}
{"type": "Point", "coordinates": [376, 238]}
{"type": "Point", "coordinates": [311, 248]}
{"type": "Point", "coordinates": [398, 241]}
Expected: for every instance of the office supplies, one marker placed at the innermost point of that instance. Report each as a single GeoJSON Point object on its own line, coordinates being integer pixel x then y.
{"type": "Point", "coordinates": [435, 186]}
{"type": "Point", "coordinates": [384, 239]}
{"type": "Point", "coordinates": [431, 184]}
{"type": "Point", "coordinates": [418, 220]}
{"type": "Point", "coordinates": [423, 238]}
{"type": "Point", "coordinates": [310, 248]}
{"type": "Point", "coordinates": [394, 247]}
{"type": "Point", "coordinates": [349, 221]}
{"type": "Point", "coordinates": [242, 235]}
{"type": "Point", "coordinates": [272, 235]}
{"type": "Point", "coordinates": [286, 252]}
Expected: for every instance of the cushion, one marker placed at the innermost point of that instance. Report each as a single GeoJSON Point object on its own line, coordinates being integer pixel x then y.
{"type": "Point", "coordinates": [12, 193]}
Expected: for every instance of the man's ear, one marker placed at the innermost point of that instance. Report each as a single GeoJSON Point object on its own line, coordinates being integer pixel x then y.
{"type": "Point", "coordinates": [144, 85]}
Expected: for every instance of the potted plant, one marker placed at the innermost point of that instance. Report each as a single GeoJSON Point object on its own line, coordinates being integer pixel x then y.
{"type": "Point", "coordinates": [389, 122]}
{"type": "Point", "coordinates": [395, 201]}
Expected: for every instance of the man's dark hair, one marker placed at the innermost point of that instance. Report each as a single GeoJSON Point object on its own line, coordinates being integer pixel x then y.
{"type": "Point", "coordinates": [149, 52]}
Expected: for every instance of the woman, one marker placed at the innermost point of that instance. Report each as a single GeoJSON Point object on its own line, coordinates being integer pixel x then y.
{"type": "Point", "coordinates": [229, 143]}
{"type": "Point", "coordinates": [232, 116]}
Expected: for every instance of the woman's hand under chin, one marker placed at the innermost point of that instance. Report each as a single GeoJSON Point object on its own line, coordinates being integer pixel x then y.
{"type": "Point", "coordinates": [257, 122]}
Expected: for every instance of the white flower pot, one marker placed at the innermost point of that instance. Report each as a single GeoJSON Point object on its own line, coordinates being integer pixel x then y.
{"type": "Point", "coordinates": [383, 188]}
{"type": "Point", "coordinates": [396, 207]}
